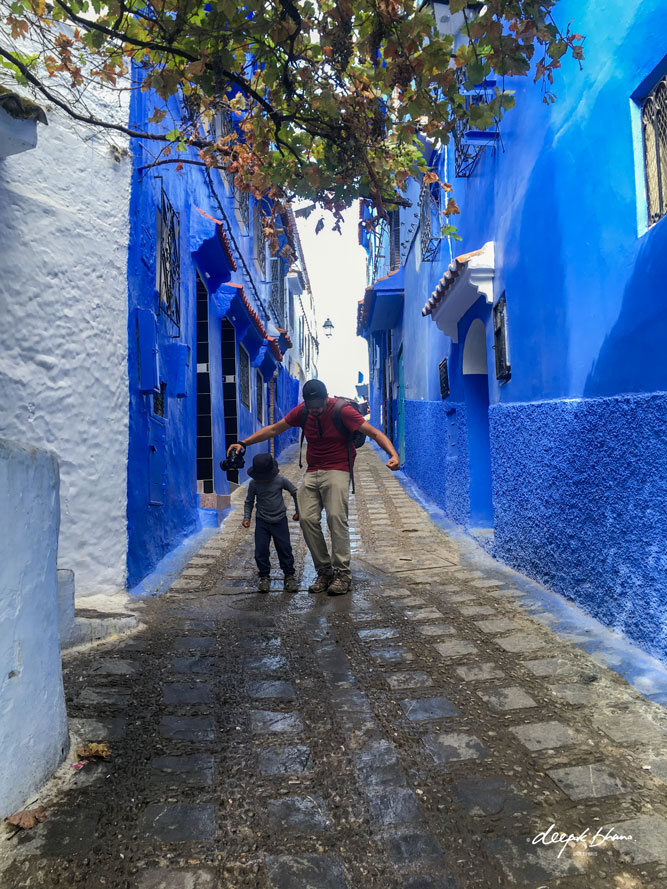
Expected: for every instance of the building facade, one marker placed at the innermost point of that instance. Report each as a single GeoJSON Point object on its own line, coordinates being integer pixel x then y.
{"type": "Point", "coordinates": [221, 335]}
{"type": "Point", "coordinates": [520, 371]}
{"type": "Point", "coordinates": [147, 327]}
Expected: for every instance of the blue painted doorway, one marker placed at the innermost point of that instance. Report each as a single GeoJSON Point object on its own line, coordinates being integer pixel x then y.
{"type": "Point", "coordinates": [476, 398]}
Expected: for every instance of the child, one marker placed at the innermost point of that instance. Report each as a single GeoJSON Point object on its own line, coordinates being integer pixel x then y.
{"type": "Point", "coordinates": [271, 520]}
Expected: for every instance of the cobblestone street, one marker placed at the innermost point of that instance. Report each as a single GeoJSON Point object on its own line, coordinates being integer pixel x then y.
{"type": "Point", "coordinates": [417, 734]}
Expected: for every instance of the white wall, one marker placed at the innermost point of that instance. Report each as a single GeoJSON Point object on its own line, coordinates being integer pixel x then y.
{"type": "Point", "coordinates": [33, 722]}
{"type": "Point", "coordinates": [63, 339]}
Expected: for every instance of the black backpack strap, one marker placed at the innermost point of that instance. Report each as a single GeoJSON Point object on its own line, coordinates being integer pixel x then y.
{"type": "Point", "coordinates": [342, 428]}
{"type": "Point", "coordinates": [302, 423]}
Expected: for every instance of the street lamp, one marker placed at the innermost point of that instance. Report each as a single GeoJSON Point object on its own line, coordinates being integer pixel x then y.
{"type": "Point", "coordinates": [328, 327]}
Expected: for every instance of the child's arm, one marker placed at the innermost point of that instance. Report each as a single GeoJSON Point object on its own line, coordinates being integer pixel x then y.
{"type": "Point", "coordinates": [248, 505]}
{"type": "Point", "coordinates": [288, 486]}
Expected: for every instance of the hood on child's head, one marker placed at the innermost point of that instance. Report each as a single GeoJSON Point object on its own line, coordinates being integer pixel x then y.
{"type": "Point", "coordinates": [264, 468]}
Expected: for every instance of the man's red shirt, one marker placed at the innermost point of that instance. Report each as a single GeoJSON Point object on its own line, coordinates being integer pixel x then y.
{"type": "Point", "coordinates": [327, 447]}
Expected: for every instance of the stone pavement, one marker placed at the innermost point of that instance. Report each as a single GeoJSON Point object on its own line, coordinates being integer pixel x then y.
{"type": "Point", "coordinates": [426, 732]}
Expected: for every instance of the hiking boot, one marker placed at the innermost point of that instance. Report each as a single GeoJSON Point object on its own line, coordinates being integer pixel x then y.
{"type": "Point", "coordinates": [339, 585]}
{"type": "Point", "coordinates": [264, 584]}
{"type": "Point", "coordinates": [290, 585]}
{"type": "Point", "coordinates": [322, 583]}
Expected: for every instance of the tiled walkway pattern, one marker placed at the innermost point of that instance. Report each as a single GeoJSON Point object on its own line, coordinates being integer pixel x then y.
{"type": "Point", "coordinates": [416, 735]}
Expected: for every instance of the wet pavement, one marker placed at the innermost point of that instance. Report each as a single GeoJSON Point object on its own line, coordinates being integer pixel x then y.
{"type": "Point", "coordinates": [429, 731]}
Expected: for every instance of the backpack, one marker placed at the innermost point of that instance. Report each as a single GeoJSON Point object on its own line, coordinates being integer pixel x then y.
{"type": "Point", "coordinates": [356, 438]}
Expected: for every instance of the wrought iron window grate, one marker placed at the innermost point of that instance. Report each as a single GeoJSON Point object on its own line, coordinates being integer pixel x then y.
{"type": "Point", "coordinates": [242, 207]}
{"type": "Point", "coordinates": [169, 261]}
{"type": "Point", "coordinates": [259, 388]}
{"type": "Point", "coordinates": [394, 240]}
{"type": "Point", "coordinates": [654, 127]}
{"type": "Point", "coordinates": [503, 366]}
{"type": "Point", "coordinates": [444, 378]}
{"type": "Point", "coordinates": [469, 144]}
{"type": "Point", "coordinates": [159, 400]}
{"type": "Point", "coordinates": [278, 289]}
{"type": "Point", "coordinates": [222, 127]}
{"type": "Point", "coordinates": [244, 377]}
{"type": "Point", "coordinates": [259, 244]}
{"type": "Point", "coordinates": [429, 201]}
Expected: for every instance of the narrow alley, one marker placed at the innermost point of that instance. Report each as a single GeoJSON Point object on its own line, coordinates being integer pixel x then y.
{"type": "Point", "coordinates": [420, 733]}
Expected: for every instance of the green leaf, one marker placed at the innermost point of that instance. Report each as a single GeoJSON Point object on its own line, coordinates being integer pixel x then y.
{"type": "Point", "coordinates": [173, 135]}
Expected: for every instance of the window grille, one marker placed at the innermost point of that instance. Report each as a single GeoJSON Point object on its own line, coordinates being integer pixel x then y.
{"type": "Point", "coordinates": [259, 387]}
{"type": "Point", "coordinates": [430, 240]}
{"type": "Point", "coordinates": [394, 240]}
{"type": "Point", "coordinates": [468, 143]}
{"type": "Point", "coordinates": [244, 377]}
{"type": "Point", "coordinates": [278, 290]}
{"type": "Point", "coordinates": [444, 379]}
{"type": "Point", "coordinates": [378, 255]}
{"type": "Point", "coordinates": [242, 207]}
{"type": "Point", "coordinates": [654, 127]}
{"type": "Point", "coordinates": [169, 261]}
{"type": "Point", "coordinates": [290, 303]}
{"type": "Point", "coordinates": [503, 366]}
{"type": "Point", "coordinates": [259, 245]}
{"type": "Point", "coordinates": [159, 400]}
{"type": "Point", "coordinates": [223, 126]}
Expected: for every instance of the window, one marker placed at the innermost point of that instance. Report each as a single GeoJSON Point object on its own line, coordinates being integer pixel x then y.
{"type": "Point", "coordinates": [429, 201]}
{"type": "Point", "coordinates": [444, 379]}
{"type": "Point", "coordinates": [259, 391]}
{"type": "Point", "coordinates": [503, 366]}
{"type": "Point", "coordinates": [654, 130]}
{"type": "Point", "coordinates": [159, 401]}
{"type": "Point", "coordinates": [469, 143]}
{"type": "Point", "coordinates": [278, 290]}
{"type": "Point", "coordinates": [222, 127]}
{"type": "Point", "coordinates": [244, 377]}
{"type": "Point", "coordinates": [394, 240]}
{"type": "Point", "coordinates": [242, 209]}
{"type": "Point", "coordinates": [259, 245]}
{"type": "Point", "coordinates": [168, 260]}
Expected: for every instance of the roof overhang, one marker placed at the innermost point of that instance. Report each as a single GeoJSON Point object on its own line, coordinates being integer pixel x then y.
{"type": "Point", "coordinates": [467, 278]}
{"type": "Point", "coordinates": [385, 301]}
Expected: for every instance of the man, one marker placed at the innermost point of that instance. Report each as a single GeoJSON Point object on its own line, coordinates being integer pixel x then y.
{"type": "Point", "coordinates": [327, 480]}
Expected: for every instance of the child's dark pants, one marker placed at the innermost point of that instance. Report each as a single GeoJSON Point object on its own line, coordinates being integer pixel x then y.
{"type": "Point", "coordinates": [279, 531]}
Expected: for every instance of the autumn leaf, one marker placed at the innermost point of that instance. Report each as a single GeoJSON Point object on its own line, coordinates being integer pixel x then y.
{"type": "Point", "coordinates": [26, 819]}
{"type": "Point", "coordinates": [93, 751]}
{"type": "Point", "coordinates": [452, 208]}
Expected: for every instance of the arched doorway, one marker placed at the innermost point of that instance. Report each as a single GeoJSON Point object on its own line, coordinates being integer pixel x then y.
{"type": "Point", "coordinates": [476, 397]}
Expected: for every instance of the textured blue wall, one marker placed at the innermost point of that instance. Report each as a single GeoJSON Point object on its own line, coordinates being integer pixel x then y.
{"type": "Point", "coordinates": [578, 452]}
{"type": "Point", "coordinates": [426, 448]}
{"type": "Point", "coordinates": [155, 528]}
{"type": "Point", "coordinates": [580, 490]}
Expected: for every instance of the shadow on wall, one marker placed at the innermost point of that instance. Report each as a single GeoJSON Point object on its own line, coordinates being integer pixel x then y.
{"type": "Point", "coordinates": [632, 357]}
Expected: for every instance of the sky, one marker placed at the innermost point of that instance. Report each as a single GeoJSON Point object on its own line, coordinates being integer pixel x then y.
{"type": "Point", "coordinates": [337, 270]}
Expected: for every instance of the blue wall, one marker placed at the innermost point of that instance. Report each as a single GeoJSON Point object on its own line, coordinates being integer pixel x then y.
{"type": "Point", "coordinates": [576, 438]}
{"type": "Point", "coordinates": [163, 503]}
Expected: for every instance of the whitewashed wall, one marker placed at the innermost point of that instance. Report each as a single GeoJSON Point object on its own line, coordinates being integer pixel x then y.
{"type": "Point", "coordinates": [63, 338]}
{"type": "Point", "coordinates": [33, 722]}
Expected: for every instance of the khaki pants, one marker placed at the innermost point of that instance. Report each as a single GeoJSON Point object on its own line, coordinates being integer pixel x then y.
{"type": "Point", "coordinates": [326, 489]}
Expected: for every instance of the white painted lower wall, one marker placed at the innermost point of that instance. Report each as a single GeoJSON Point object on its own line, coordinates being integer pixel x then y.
{"type": "Point", "coordinates": [63, 341]}
{"type": "Point", "coordinates": [33, 722]}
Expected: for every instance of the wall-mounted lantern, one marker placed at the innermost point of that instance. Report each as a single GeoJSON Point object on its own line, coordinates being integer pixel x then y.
{"type": "Point", "coordinates": [328, 327]}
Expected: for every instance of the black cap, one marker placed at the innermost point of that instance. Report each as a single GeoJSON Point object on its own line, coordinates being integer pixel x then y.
{"type": "Point", "coordinates": [264, 467]}
{"type": "Point", "coordinates": [314, 393]}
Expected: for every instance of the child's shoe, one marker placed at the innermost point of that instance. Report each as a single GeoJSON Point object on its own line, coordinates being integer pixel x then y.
{"type": "Point", "coordinates": [264, 584]}
{"type": "Point", "coordinates": [291, 586]}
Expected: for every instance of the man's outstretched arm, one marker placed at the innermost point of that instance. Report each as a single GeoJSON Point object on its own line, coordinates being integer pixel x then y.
{"type": "Point", "coordinates": [262, 434]}
{"type": "Point", "coordinates": [380, 438]}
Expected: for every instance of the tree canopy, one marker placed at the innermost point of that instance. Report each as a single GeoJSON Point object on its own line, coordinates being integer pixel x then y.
{"type": "Point", "coordinates": [328, 101]}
